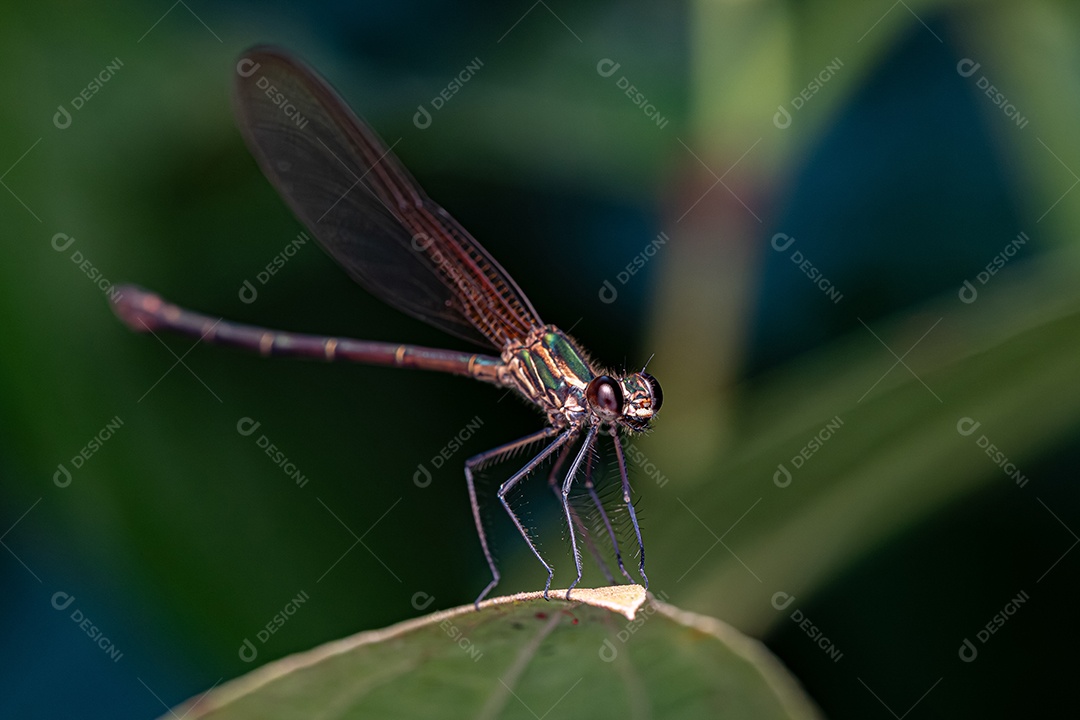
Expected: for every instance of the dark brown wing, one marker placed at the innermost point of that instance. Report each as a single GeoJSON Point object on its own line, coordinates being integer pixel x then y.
{"type": "Point", "coordinates": [365, 209]}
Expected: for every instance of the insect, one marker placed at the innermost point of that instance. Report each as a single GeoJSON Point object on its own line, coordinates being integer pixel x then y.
{"type": "Point", "coordinates": [372, 217]}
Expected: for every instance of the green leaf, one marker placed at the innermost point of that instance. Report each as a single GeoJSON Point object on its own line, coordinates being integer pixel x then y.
{"type": "Point", "coordinates": [609, 652]}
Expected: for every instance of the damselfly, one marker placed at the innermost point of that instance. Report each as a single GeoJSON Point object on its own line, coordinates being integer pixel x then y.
{"type": "Point", "coordinates": [369, 214]}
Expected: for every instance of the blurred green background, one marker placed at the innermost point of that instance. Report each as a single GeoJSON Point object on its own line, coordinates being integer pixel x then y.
{"type": "Point", "coordinates": [894, 171]}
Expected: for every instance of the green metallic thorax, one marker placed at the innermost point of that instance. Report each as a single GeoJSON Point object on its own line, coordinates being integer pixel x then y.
{"type": "Point", "coordinates": [549, 369]}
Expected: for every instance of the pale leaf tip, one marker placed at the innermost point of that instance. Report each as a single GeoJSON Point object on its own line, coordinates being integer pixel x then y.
{"type": "Point", "coordinates": [623, 599]}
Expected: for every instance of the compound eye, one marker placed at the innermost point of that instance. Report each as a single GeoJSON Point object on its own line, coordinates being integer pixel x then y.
{"type": "Point", "coordinates": [657, 393]}
{"type": "Point", "coordinates": [604, 394]}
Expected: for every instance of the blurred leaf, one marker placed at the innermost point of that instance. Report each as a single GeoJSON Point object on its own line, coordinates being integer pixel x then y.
{"type": "Point", "coordinates": [1008, 361]}
{"type": "Point", "coordinates": [731, 537]}
{"type": "Point", "coordinates": [521, 656]}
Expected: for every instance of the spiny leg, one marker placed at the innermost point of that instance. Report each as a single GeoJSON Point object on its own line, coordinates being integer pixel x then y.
{"type": "Point", "coordinates": [591, 488]}
{"type": "Point", "coordinates": [630, 505]}
{"type": "Point", "coordinates": [556, 469]}
{"type": "Point", "coordinates": [585, 447]}
{"type": "Point", "coordinates": [504, 489]}
{"type": "Point", "coordinates": [517, 477]}
{"type": "Point", "coordinates": [476, 461]}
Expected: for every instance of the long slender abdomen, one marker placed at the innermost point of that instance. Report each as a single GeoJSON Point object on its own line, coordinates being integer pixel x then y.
{"type": "Point", "coordinates": [144, 311]}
